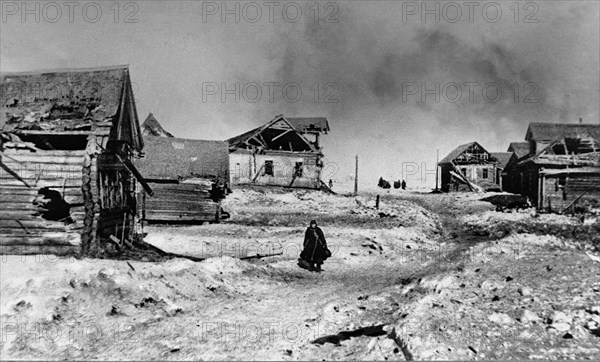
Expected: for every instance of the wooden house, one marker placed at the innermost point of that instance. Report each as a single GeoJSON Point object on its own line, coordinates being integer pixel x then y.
{"type": "Point", "coordinates": [562, 169]}
{"type": "Point", "coordinates": [283, 152]}
{"type": "Point", "coordinates": [66, 177]}
{"type": "Point", "coordinates": [469, 167]}
{"type": "Point", "coordinates": [188, 178]}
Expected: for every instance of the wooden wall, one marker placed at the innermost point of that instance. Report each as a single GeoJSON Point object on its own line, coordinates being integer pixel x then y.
{"type": "Point", "coordinates": [559, 191]}
{"type": "Point", "coordinates": [247, 168]}
{"type": "Point", "coordinates": [22, 174]}
{"type": "Point", "coordinates": [474, 174]}
{"type": "Point", "coordinates": [179, 202]}
{"type": "Point", "coordinates": [114, 199]}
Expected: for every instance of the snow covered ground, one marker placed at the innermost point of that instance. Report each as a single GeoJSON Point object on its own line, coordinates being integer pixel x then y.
{"type": "Point", "coordinates": [433, 273]}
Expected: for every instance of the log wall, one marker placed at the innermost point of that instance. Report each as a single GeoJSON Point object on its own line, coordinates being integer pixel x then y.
{"type": "Point", "coordinates": [114, 200]}
{"type": "Point", "coordinates": [23, 173]}
{"type": "Point", "coordinates": [180, 202]}
{"type": "Point", "coordinates": [558, 193]}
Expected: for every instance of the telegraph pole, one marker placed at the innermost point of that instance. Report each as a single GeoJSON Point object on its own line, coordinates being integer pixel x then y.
{"type": "Point", "coordinates": [356, 176]}
{"type": "Point", "coordinates": [437, 159]}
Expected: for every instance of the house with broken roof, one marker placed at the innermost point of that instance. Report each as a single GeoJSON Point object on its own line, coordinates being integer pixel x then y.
{"type": "Point", "coordinates": [66, 177]}
{"type": "Point", "coordinates": [282, 152]}
{"type": "Point", "coordinates": [470, 167]}
{"type": "Point", "coordinates": [562, 167]}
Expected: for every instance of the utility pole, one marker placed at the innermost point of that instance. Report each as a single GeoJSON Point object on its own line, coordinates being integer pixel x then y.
{"type": "Point", "coordinates": [356, 176]}
{"type": "Point", "coordinates": [437, 159]}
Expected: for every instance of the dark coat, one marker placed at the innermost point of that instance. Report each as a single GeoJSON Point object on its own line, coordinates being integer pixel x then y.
{"type": "Point", "coordinates": [315, 246]}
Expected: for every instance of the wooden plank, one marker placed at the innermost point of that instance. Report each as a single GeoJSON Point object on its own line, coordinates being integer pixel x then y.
{"type": "Point", "coordinates": [28, 199]}
{"type": "Point", "coordinates": [180, 209]}
{"type": "Point", "coordinates": [179, 217]}
{"type": "Point", "coordinates": [21, 249]}
{"type": "Point", "coordinates": [186, 212]}
{"type": "Point", "coordinates": [35, 178]}
{"type": "Point", "coordinates": [58, 183]}
{"type": "Point", "coordinates": [56, 238]}
{"type": "Point", "coordinates": [71, 190]}
{"type": "Point", "coordinates": [71, 153]}
{"type": "Point", "coordinates": [39, 224]}
{"type": "Point", "coordinates": [25, 213]}
{"type": "Point", "coordinates": [150, 214]}
{"type": "Point", "coordinates": [189, 201]}
{"type": "Point", "coordinates": [35, 158]}
{"type": "Point", "coordinates": [35, 233]}
{"type": "Point", "coordinates": [179, 190]}
{"type": "Point", "coordinates": [43, 168]}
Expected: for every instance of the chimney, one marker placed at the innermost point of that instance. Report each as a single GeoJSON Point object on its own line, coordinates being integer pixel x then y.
{"type": "Point", "coordinates": [580, 120]}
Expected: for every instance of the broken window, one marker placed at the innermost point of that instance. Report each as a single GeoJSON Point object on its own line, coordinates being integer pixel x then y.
{"type": "Point", "coordinates": [52, 206]}
{"type": "Point", "coordinates": [464, 171]}
{"type": "Point", "coordinates": [485, 173]}
{"type": "Point", "coordinates": [298, 169]}
{"type": "Point", "coordinates": [269, 168]}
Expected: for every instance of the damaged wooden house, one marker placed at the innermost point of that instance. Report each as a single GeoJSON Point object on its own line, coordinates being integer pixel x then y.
{"type": "Point", "coordinates": [283, 152]}
{"type": "Point", "coordinates": [562, 169]}
{"type": "Point", "coordinates": [470, 167]}
{"type": "Point", "coordinates": [66, 177]}
{"type": "Point", "coordinates": [189, 178]}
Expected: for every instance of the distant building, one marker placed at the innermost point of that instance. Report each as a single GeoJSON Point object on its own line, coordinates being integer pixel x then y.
{"type": "Point", "coordinates": [469, 167]}
{"type": "Point", "coordinates": [151, 127]}
{"type": "Point", "coordinates": [282, 152]}
{"type": "Point", "coordinates": [562, 167]}
{"type": "Point", "coordinates": [506, 160]}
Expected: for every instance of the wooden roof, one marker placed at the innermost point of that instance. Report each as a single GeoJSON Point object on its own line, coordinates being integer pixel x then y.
{"type": "Point", "coordinates": [521, 149]}
{"type": "Point", "coordinates": [277, 134]}
{"type": "Point", "coordinates": [169, 158]}
{"type": "Point", "coordinates": [557, 131]}
{"type": "Point", "coordinates": [60, 100]}
{"type": "Point", "coordinates": [458, 151]}
{"type": "Point", "coordinates": [503, 158]}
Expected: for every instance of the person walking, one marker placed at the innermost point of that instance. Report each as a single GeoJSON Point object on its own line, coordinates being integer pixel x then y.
{"type": "Point", "coordinates": [315, 247]}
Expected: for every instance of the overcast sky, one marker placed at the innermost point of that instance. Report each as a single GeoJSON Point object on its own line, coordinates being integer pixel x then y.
{"type": "Point", "coordinates": [395, 84]}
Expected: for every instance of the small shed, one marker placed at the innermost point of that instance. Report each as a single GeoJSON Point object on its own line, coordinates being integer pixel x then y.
{"type": "Point", "coordinates": [188, 177]}
{"type": "Point", "coordinates": [66, 177]}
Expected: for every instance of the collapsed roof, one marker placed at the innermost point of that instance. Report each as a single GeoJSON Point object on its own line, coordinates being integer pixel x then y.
{"type": "Point", "coordinates": [280, 135]}
{"type": "Point", "coordinates": [70, 100]}
{"type": "Point", "coordinates": [569, 144]}
{"type": "Point", "coordinates": [468, 153]}
{"type": "Point", "coordinates": [309, 124]}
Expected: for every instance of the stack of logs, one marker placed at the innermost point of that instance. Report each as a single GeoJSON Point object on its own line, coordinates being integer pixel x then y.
{"type": "Point", "coordinates": [188, 201]}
